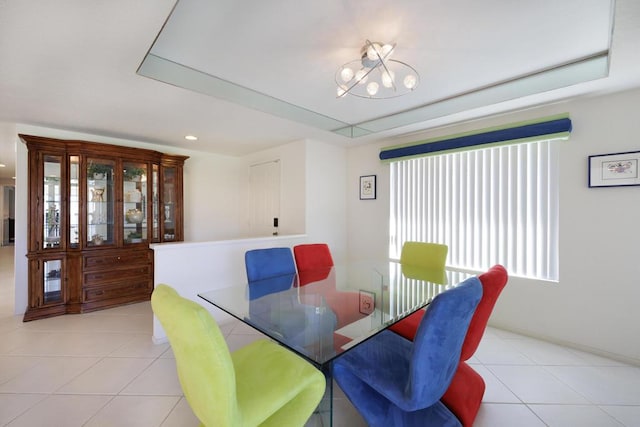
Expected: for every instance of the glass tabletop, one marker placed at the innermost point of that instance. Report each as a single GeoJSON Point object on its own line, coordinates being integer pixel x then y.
{"type": "Point", "coordinates": [322, 313]}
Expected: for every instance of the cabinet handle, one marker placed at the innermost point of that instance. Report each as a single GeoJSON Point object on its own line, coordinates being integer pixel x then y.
{"type": "Point", "coordinates": [118, 258]}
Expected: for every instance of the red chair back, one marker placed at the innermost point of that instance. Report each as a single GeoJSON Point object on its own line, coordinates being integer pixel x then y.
{"type": "Point", "coordinates": [312, 256]}
{"type": "Point", "coordinates": [310, 276]}
{"type": "Point", "coordinates": [493, 282]}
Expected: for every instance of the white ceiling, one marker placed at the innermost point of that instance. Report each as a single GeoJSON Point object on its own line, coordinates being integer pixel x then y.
{"type": "Point", "coordinates": [72, 64]}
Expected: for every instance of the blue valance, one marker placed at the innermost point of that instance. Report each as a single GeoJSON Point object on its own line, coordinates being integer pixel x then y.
{"type": "Point", "coordinates": [556, 127]}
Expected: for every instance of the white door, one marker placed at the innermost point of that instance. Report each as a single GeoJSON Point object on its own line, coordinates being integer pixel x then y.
{"type": "Point", "coordinates": [264, 197]}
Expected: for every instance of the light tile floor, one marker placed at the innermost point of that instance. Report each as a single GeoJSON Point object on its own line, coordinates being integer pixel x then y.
{"type": "Point", "coordinates": [101, 369]}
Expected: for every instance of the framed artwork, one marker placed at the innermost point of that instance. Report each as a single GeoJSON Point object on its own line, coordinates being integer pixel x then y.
{"type": "Point", "coordinates": [367, 302]}
{"type": "Point", "coordinates": [614, 170]}
{"type": "Point", "coordinates": [368, 187]}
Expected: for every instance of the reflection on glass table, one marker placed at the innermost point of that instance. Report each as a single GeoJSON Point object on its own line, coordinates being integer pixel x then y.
{"type": "Point", "coordinates": [354, 301]}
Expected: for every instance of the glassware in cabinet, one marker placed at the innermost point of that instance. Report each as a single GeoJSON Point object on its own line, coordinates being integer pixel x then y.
{"type": "Point", "coordinates": [169, 203]}
{"type": "Point", "coordinates": [52, 197]}
{"type": "Point", "coordinates": [52, 282]}
{"type": "Point", "coordinates": [100, 203]}
{"type": "Point", "coordinates": [155, 202]}
{"type": "Point", "coordinates": [74, 201]}
{"type": "Point", "coordinates": [135, 181]}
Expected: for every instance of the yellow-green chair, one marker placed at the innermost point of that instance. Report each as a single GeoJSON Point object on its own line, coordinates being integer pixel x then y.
{"type": "Point", "coordinates": [423, 261]}
{"type": "Point", "coordinates": [430, 256]}
{"type": "Point", "coordinates": [262, 384]}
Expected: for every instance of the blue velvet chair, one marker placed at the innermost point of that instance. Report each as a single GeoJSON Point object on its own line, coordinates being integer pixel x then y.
{"type": "Point", "coordinates": [393, 381]}
{"type": "Point", "coordinates": [271, 285]}
{"type": "Point", "coordinates": [270, 262]}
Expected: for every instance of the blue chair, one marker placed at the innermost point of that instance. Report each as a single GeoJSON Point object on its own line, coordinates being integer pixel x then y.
{"type": "Point", "coordinates": [392, 381]}
{"type": "Point", "coordinates": [271, 285]}
{"type": "Point", "coordinates": [270, 262]}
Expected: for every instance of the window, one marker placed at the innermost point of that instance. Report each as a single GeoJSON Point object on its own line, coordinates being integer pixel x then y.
{"type": "Point", "coordinates": [490, 206]}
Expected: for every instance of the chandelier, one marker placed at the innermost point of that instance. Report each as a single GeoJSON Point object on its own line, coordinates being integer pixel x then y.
{"type": "Point", "coordinates": [375, 75]}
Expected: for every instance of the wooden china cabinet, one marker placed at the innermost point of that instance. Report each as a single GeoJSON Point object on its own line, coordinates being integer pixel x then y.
{"type": "Point", "coordinates": [93, 210]}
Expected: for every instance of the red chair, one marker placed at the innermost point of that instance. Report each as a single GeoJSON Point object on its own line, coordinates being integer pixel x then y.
{"type": "Point", "coordinates": [314, 263]}
{"type": "Point", "coordinates": [464, 395]}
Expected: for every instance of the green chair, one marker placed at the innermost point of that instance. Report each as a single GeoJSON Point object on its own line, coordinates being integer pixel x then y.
{"type": "Point", "coordinates": [430, 256]}
{"type": "Point", "coordinates": [424, 261]}
{"type": "Point", "coordinates": [261, 384]}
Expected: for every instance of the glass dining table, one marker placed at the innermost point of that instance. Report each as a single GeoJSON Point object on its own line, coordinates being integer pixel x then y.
{"type": "Point", "coordinates": [320, 314]}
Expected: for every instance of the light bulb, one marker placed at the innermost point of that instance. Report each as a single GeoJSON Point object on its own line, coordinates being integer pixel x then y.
{"type": "Point", "coordinates": [361, 76]}
{"type": "Point", "coordinates": [410, 81]}
{"type": "Point", "coordinates": [341, 91]}
{"type": "Point", "coordinates": [372, 51]}
{"type": "Point", "coordinates": [386, 50]}
{"type": "Point", "coordinates": [387, 78]}
{"type": "Point", "coordinates": [346, 74]}
{"type": "Point", "coordinates": [372, 88]}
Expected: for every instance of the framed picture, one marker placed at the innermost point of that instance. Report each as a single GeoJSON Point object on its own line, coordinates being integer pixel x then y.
{"type": "Point", "coordinates": [367, 187]}
{"type": "Point", "coordinates": [614, 170]}
{"type": "Point", "coordinates": [367, 302]}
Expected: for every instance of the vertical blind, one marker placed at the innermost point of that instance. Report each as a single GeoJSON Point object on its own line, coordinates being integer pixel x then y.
{"type": "Point", "coordinates": [495, 205]}
{"type": "Point", "coordinates": [409, 293]}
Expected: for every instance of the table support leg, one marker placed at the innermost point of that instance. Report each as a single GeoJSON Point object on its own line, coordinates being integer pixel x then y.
{"type": "Point", "coordinates": [325, 409]}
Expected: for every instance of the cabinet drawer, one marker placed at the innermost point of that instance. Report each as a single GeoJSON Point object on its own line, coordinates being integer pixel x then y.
{"type": "Point", "coordinates": [122, 275]}
{"type": "Point", "coordinates": [116, 260]}
{"type": "Point", "coordinates": [117, 290]}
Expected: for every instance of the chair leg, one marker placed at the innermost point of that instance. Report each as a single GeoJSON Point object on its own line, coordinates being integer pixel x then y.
{"type": "Point", "coordinates": [464, 395]}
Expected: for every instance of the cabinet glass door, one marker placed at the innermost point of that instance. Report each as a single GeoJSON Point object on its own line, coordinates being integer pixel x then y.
{"type": "Point", "coordinates": [155, 201]}
{"type": "Point", "coordinates": [52, 201]}
{"type": "Point", "coordinates": [168, 201]}
{"type": "Point", "coordinates": [135, 202]}
{"type": "Point", "coordinates": [52, 286]}
{"type": "Point", "coordinates": [101, 202]}
{"type": "Point", "coordinates": [74, 201]}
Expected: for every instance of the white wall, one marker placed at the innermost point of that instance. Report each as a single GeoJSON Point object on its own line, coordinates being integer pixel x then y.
{"type": "Point", "coordinates": [214, 197]}
{"type": "Point", "coordinates": [292, 184]}
{"type": "Point", "coordinates": [367, 220]}
{"type": "Point", "coordinates": [595, 304]}
{"type": "Point", "coordinates": [20, 247]}
{"type": "Point", "coordinates": [313, 192]}
{"type": "Point", "coordinates": [326, 196]}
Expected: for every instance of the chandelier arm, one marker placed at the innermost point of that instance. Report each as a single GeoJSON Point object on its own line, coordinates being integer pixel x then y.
{"type": "Point", "coordinates": [382, 62]}
{"type": "Point", "coordinates": [381, 58]}
{"type": "Point", "coordinates": [355, 81]}
{"type": "Point", "coordinates": [393, 83]}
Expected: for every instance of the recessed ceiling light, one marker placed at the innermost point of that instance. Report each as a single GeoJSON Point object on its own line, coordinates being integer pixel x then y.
{"type": "Point", "coordinates": [191, 138]}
